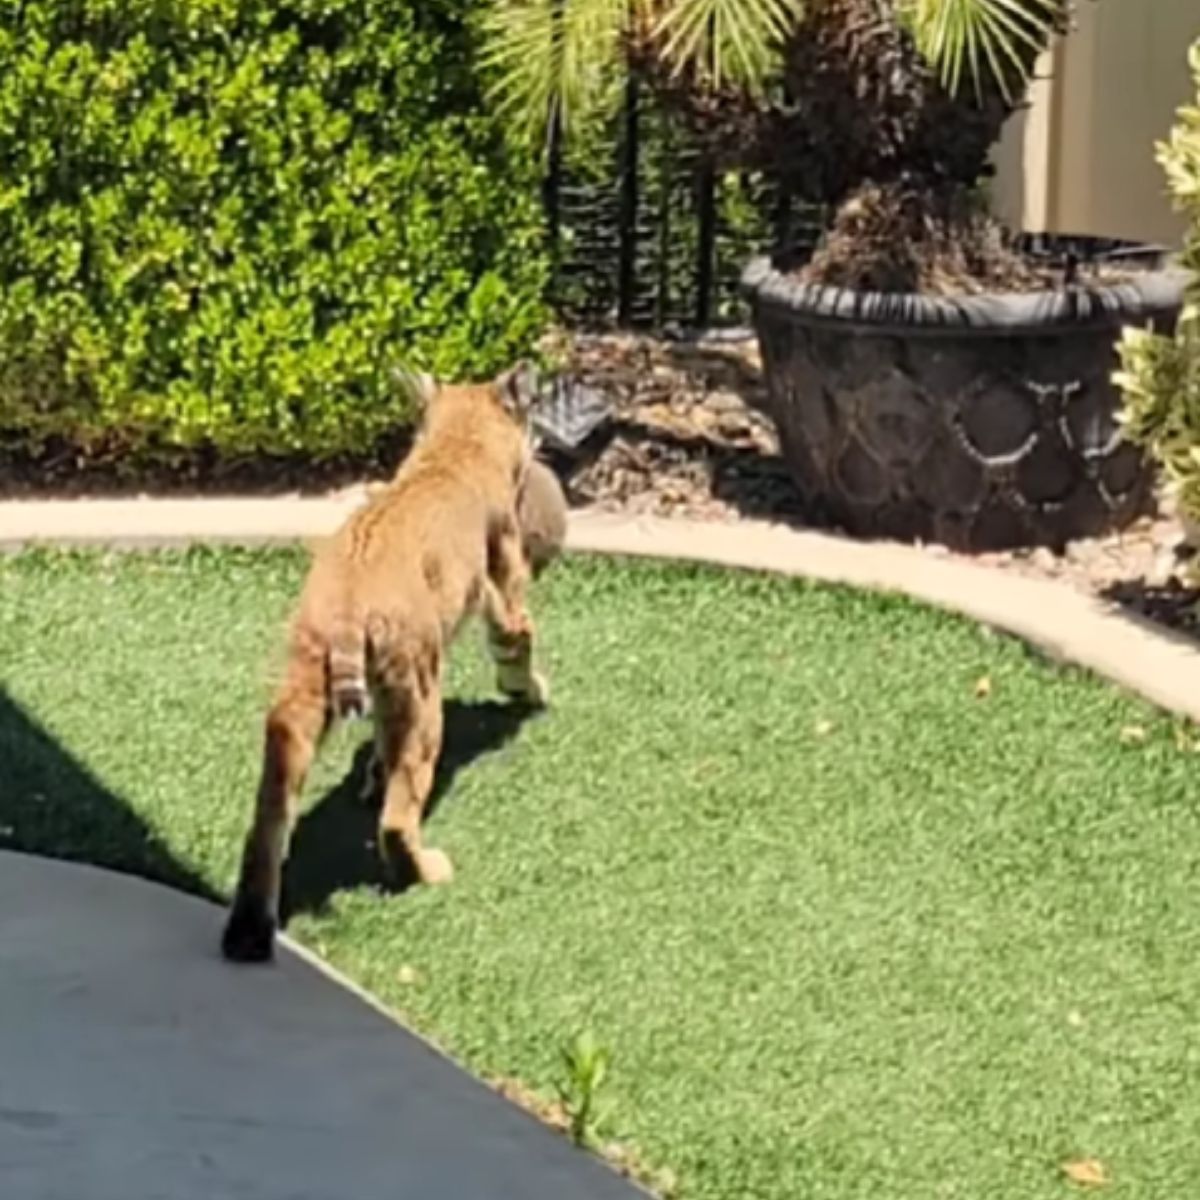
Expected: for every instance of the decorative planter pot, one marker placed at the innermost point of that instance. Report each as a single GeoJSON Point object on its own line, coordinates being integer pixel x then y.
{"type": "Point", "coordinates": [981, 422]}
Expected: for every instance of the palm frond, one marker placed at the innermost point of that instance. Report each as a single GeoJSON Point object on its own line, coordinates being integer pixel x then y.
{"type": "Point", "coordinates": [552, 58]}
{"type": "Point", "coordinates": [727, 41]}
{"type": "Point", "coordinates": [984, 40]}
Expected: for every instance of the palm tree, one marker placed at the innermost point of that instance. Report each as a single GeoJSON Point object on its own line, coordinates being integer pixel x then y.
{"type": "Point", "coordinates": [883, 110]}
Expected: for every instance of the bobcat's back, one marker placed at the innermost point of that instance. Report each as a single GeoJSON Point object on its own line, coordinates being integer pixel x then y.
{"type": "Point", "coordinates": [403, 571]}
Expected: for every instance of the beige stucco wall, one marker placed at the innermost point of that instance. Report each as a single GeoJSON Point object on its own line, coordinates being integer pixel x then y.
{"type": "Point", "coordinates": [1081, 158]}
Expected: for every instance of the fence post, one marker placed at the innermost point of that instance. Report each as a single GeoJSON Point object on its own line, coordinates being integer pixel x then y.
{"type": "Point", "coordinates": [552, 193]}
{"type": "Point", "coordinates": [706, 243]}
{"type": "Point", "coordinates": [781, 220]}
{"type": "Point", "coordinates": [662, 299]}
{"type": "Point", "coordinates": [552, 180]}
{"type": "Point", "coordinates": [627, 219]}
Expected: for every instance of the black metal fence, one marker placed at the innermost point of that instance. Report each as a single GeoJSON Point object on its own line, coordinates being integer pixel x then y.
{"type": "Point", "coordinates": [647, 235]}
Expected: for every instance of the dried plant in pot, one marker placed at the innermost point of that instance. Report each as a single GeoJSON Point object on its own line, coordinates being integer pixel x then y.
{"type": "Point", "coordinates": [932, 376]}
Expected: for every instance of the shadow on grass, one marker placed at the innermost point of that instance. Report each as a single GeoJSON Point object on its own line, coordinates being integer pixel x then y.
{"type": "Point", "coordinates": [50, 804]}
{"type": "Point", "coordinates": [334, 844]}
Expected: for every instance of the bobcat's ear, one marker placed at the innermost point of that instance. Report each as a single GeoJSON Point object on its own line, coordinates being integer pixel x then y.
{"type": "Point", "coordinates": [517, 389]}
{"type": "Point", "coordinates": [418, 386]}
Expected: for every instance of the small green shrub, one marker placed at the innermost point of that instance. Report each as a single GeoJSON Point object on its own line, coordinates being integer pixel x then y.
{"type": "Point", "coordinates": [222, 220]}
{"type": "Point", "coordinates": [1160, 376]}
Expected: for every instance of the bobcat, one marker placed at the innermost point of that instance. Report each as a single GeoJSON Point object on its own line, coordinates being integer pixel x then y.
{"type": "Point", "coordinates": [383, 599]}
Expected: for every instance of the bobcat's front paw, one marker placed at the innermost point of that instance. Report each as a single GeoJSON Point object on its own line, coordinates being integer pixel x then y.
{"type": "Point", "coordinates": [433, 866]}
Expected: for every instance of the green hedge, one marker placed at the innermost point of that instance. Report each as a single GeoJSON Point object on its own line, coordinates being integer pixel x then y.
{"type": "Point", "coordinates": [220, 220]}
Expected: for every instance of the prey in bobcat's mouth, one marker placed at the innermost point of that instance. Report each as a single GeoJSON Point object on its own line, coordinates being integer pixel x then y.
{"type": "Point", "coordinates": [384, 598]}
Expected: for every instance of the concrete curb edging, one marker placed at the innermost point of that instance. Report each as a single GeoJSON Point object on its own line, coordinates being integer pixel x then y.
{"type": "Point", "coordinates": [158, 524]}
{"type": "Point", "coordinates": [1067, 625]}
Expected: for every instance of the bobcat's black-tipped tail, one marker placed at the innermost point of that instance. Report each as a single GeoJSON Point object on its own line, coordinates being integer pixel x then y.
{"type": "Point", "coordinates": [350, 697]}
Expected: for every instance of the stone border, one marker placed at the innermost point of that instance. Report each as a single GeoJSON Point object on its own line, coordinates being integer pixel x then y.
{"type": "Point", "coordinates": [1066, 624]}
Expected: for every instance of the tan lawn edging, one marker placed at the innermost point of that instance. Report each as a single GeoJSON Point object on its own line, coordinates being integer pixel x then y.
{"type": "Point", "coordinates": [146, 522]}
{"type": "Point", "coordinates": [1064, 623]}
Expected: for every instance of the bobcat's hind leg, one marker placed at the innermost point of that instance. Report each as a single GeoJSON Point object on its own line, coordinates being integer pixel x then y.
{"type": "Point", "coordinates": [509, 626]}
{"type": "Point", "coordinates": [411, 736]}
{"type": "Point", "coordinates": [293, 731]}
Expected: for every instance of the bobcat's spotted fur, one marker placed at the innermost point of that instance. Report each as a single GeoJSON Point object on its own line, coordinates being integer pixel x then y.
{"type": "Point", "coordinates": [383, 599]}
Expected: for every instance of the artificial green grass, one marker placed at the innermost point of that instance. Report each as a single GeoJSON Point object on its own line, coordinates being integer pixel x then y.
{"type": "Point", "coordinates": [849, 929]}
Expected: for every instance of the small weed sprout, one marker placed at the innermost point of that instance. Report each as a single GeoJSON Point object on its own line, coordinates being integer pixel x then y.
{"type": "Point", "coordinates": [586, 1063]}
